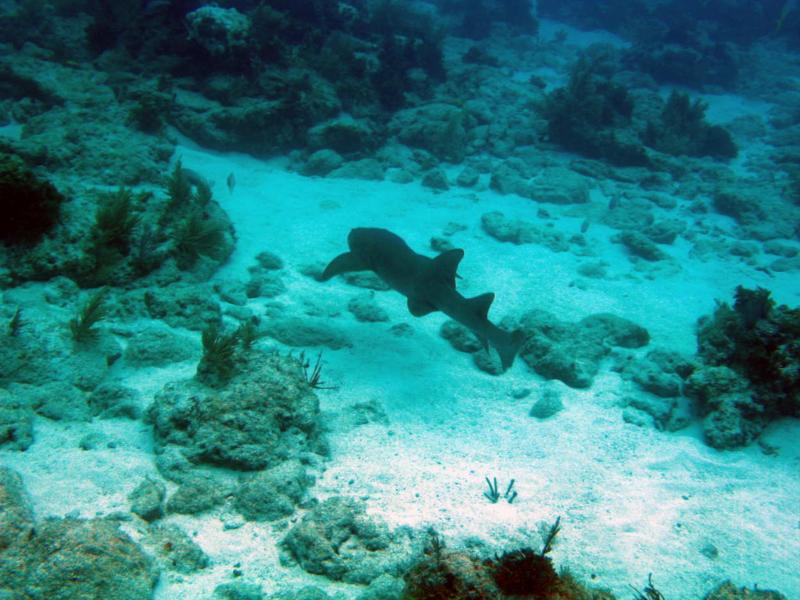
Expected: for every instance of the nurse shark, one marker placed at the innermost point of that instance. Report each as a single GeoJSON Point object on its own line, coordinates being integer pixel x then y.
{"type": "Point", "coordinates": [429, 284]}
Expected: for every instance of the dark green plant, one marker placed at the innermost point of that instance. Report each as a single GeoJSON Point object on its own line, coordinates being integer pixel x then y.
{"type": "Point", "coordinates": [186, 219]}
{"type": "Point", "coordinates": [198, 236]}
{"type": "Point", "coordinates": [682, 115]}
{"type": "Point", "coordinates": [30, 206]}
{"type": "Point", "coordinates": [549, 533]}
{"type": "Point", "coordinates": [202, 193]}
{"type": "Point", "coordinates": [145, 256]}
{"type": "Point", "coordinates": [761, 341]}
{"type": "Point", "coordinates": [179, 188]}
{"type": "Point", "coordinates": [110, 238]}
{"type": "Point", "coordinates": [314, 375]}
{"type": "Point", "coordinates": [493, 494]}
{"type": "Point", "coordinates": [147, 113]}
{"type": "Point", "coordinates": [683, 130]}
{"type": "Point", "coordinates": [434, 545]}
{"type": "Point", "coordinates": [718, 143]}
{"type": "Point", "coordinates": [268, 26]}
{"type": "Point", "coordinates": [409, 39]}
{"type": "Point", "coordinates": [218, 362]}
{"type": "Point", "coordinates": [650, 592]}
{"type": "Point", "coordinates": [247, 334]}
{"type": "Point", "coordinates": [589, 115]}
{"type": "Point", "coordinates": [524, 573]}
{"type": "Point", "coordinates": [15, 323]}
{"type": "Point", "coordinates": [115, 219]}
{"type": "Point", "coordinates": [82, 325]}
{"type": "Point", "coordinates": [595, 99]}
{"type": "Point", "coordinates": [527, 573]}
{"type": "Point", "coordinates": [17, 86]}
{"type": "Point", "coordinates": [442, 574]}
{"type": "Point", "coordinates": [752, 305]}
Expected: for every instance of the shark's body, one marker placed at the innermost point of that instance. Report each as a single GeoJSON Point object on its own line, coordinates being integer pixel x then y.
{"type": "Point", "coordinates": [429, 284]}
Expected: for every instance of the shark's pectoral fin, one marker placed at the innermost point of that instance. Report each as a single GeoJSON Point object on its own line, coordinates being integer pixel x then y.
{"type": "Point", "coordinates": [444, 266]}
{"type": "Point", "coordinates": [420, 308]}
{"type": "Point", "coordinates": [344, 263]}
{"type": "Point", "coordinates": [480, 304]}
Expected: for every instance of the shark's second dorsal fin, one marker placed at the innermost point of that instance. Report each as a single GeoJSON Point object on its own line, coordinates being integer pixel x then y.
{"type": "Point", "coordinates": [344, 263]}
{"type": "Point", "coordinates": [444, 266]}
{"type": "Point", "coordinates": [480, 304]}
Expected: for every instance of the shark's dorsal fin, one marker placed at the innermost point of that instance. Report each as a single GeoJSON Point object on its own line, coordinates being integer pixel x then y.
{"type": "Point", "coordinates": [420, 308]}
{"type": "Point", "coordinates": [444, 266]}
{"type": "Point", "coordinates": [480, 304]}
{"type": "Point", "coordinates": [344, 263]}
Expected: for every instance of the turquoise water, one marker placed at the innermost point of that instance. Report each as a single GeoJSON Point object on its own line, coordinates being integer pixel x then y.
{"type": "Point", "coordinates": [192, 406]}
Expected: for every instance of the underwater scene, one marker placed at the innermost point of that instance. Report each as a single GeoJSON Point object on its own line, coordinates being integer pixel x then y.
{"type": "Point", "coordinates": [399, 300]}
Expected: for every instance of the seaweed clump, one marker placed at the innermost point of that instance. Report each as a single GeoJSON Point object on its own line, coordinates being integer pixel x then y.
{"type": "Point", "coordinates": [407, 39]}
{"type": "Point", "coordinates": [591, 116]}
{"type": "Point", "coordinates": [650, 591]}
{"type": "Point", "coordinates": [147, 114]}
{"type": "Point", "coordinates": [82, 325]}
{"type": "Point", "coordinates": [524, 573]}
{"type": "Point", "coordinates": [442, 574]}
{"type": "Point", "coordinates": [761, 342]}
{"type": "Point", "coordinates": [194, 221]}
{"type": "Point", "coordinates": [751, 368]}
{"type": "Point", "coordinates": [220, 352]}
{"type": "Point", "coordinates": [683, 130]}
{"type": "Point", "coordinates": [30, 206]}
{"type": "Point", "coordinates": [135, 233]}
{"type": "Point", "coordinates": [111, 237]}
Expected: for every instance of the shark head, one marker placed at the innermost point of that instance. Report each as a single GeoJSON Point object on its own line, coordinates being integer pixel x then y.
{"type": "Point", "coordinates": [363, 237]}
{"type": "Point", "coordinates": [371, 249]}
{"type": "Point", "coordinates": [368, 242]}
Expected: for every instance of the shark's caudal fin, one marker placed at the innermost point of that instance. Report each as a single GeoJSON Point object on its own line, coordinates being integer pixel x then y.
{"type": "Point", "coordinates": [344, 263]}
{"type": "Point", "coordinates": [507, 344]}
{"type": "Point", "coordinates": [508, 350]}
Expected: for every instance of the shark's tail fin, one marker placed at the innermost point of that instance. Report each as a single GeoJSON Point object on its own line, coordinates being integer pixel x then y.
{"type": "Point", "coordinates": [510, 347]}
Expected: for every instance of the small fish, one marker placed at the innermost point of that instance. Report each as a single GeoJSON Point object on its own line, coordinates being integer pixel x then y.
{"type": "Point", "coordinates": [231, 180]}
{"type": "Point", "coordinates": [613, 202]}
{"type": "Point", "coordinates": [585, 225]}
